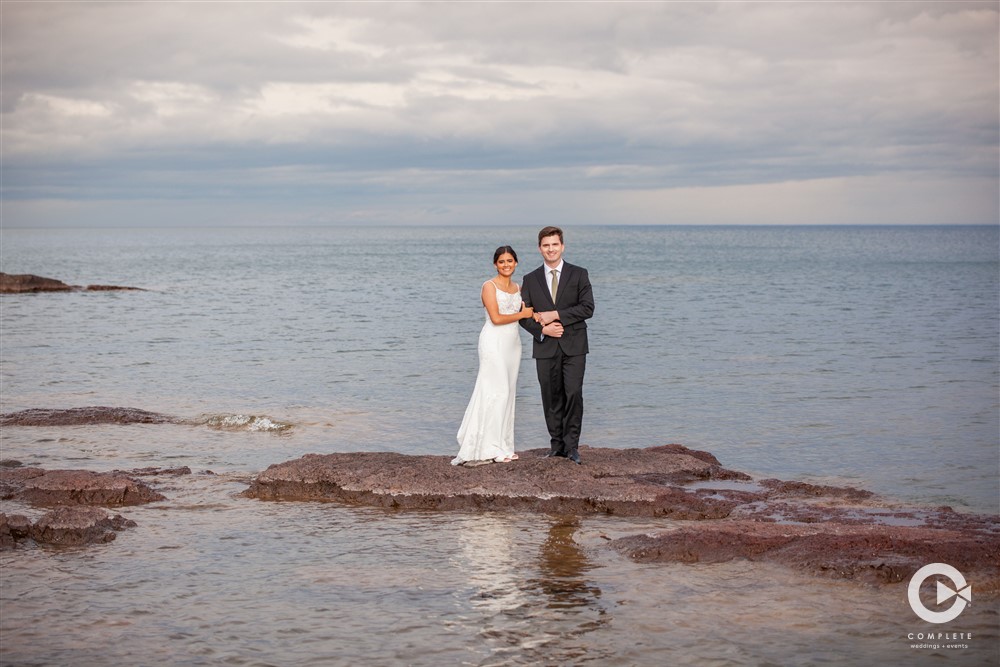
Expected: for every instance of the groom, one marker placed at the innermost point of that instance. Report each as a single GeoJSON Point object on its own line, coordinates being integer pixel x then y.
{"type": "Point", "coordinates": [563, 300]}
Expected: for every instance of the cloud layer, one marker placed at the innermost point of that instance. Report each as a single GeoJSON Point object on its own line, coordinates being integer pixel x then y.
{"type": "Point", "coordinates": [499, 113]}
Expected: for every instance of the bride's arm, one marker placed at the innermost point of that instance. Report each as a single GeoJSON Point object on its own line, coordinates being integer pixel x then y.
{"type": "Point", "coordinates": [493, 308]}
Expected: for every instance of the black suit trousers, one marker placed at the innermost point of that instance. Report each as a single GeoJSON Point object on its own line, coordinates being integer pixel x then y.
{"type": "Point", "coordinates": [561, 380]}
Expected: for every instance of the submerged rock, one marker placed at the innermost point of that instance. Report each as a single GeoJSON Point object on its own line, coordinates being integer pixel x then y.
{"type": "Point", "coordinates": [73, 487]}
{"type": "Point", "coordinates": [112, 288]}
{"type": "Point", "coordinates": [25, 282]}
{"type": "Point", "coordinates": [83, 416]}
{"type": "Point", "coordinates": [64, 526]}
{"type": "Point", "coordinates": [875, 553]}
{"type": "Point", "coordinates": [156, 472]}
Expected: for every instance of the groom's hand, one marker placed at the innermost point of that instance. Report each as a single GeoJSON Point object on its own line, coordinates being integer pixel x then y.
{"type": "Point", "coordinates": [553, 329]}
{"type": "Point", "coordinates": [547, 317]}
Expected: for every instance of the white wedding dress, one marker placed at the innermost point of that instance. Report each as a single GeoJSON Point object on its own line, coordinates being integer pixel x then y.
{"type": "Point", "coordinates": [487, 430]}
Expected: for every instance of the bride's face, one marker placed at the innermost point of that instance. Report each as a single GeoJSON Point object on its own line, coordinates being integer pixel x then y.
{"type": "Point", "coordinates": [506, 265]}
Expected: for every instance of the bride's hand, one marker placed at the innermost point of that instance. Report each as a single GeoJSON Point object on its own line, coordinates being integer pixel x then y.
{"type": "Point", "coordinates": [526, 311]}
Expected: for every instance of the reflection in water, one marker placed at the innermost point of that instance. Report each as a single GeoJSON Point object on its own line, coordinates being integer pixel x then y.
{"type": "Point", "coordinates": [530, 617]}
{"type": "Point", "coordinates": [563, 566]}
{"type": "Point", "coordinates": [489, 548]}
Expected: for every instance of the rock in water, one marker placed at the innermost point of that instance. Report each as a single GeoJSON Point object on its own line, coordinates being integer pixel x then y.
{"type": "Point", "coordinates": [63, 526]}
{"type": "Point", "coordinates": [74, 487]}
{"type": "Point", "coordinates": [25, 282]}
{"type": "Point", "coordinates": [82, 417]}
{"type": "Point", "coordinates": [624, 482]}
{"type": "Point", "coordinates": [21, 283]}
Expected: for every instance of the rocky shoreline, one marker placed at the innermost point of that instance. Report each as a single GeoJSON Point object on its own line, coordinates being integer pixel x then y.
{"type": "Point", "coordinates": [711, 514]}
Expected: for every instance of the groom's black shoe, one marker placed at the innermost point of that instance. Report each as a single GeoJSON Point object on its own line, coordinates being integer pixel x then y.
{"type": "Point", "coordinates": [575, 458]}
{"type": "Point", "coordinates": [552, 455]}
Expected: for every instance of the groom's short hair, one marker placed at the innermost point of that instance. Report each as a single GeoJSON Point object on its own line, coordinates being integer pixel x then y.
{"type": "Point", "coordinates": [549, 231]}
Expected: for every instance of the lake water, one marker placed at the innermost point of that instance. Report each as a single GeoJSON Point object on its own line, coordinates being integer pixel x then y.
{"type": "Point", "coordinates": [861, 356]}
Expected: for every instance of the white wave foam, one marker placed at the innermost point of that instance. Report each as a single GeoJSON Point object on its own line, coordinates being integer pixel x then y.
{"type": "Point", "coordinates": [246, 423]}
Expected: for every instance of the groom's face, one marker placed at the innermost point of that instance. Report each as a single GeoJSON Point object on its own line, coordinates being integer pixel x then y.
{"type": "Point", "coordinates": [552, 249]}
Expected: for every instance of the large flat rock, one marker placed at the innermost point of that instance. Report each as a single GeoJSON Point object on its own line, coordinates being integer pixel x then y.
{"type": "Point", "coordinates": [626, 482]}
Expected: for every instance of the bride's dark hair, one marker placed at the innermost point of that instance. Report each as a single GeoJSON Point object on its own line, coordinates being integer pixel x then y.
{"type": "Point", "coordinates": [504, 249]}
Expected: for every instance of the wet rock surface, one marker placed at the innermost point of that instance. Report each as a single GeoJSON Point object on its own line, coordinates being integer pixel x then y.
{"type": "Point", "coordinates": [83, 416]}
{"type": "Point", "coordinates": [624, 482]}
{"type": "Point", "coordinates": [26, 283]}
{"type": "Point", "coordinates": [77, 498]}
{"type": "Point", "coordinates": [63, 526]}
{"type": "Point", "coordinates": [874, 553]}
{"type": "Point", "coordinates": [720, 514]}
{"type": "Point", "coordinates": [48, 488]}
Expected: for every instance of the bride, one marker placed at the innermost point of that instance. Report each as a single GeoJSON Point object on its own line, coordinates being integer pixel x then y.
{"type": "Point", "coordinates": [487, 430]}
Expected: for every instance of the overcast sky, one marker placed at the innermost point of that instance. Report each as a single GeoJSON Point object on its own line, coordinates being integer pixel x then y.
{"type": "Point", "coordinates": [284, 113]}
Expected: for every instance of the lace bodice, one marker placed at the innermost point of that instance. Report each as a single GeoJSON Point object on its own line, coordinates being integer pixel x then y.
{"type": "Point", "coordinates": [508, 303]}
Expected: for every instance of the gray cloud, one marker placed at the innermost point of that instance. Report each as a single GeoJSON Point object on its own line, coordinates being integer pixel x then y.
{"type": "Point", "coordinates": [329, 111]}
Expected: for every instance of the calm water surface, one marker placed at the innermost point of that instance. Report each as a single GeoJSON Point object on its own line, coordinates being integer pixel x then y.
{"type": "Point", "coordinates": [861, 356]}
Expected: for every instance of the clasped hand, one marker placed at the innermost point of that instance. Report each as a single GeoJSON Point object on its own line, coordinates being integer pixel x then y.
{"type": "Point", "coordinates": [551, 326]}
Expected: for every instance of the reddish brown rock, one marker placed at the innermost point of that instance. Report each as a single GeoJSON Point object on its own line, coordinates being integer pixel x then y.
{"type": "Point", "coordinates": [73, 487]}
{"type": "Point", "coordinates": [78, 525]}
{"type": "Point", "coordinates": [626, 482]}
{"type": "Point", "coordinates": [804, 490]}
{"type": "Point", "coordinates": [13, 528]}
{"type": "Point", "coordinates": [26, 282]}
{"type": "Point", "coordinates": [64, 526]}
{"type": "Point", "coordinates": [82, 416]}
{"type": "Point", "coordinates": [875, 553]}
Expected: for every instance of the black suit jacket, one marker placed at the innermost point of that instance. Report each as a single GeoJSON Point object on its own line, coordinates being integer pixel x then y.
{"type": "Point", "coordinates": [575, 303]}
